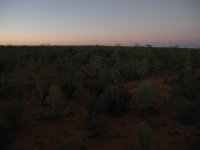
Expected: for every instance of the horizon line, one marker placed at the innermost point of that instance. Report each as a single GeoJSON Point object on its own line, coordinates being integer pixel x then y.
{"type": "Point", "coordinates": [105, 45]}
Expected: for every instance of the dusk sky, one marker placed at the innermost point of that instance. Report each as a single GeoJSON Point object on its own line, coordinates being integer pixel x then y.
{"type": "Point", "coordinates": [104, 22]}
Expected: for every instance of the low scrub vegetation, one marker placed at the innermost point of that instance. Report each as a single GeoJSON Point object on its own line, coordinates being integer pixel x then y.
{"type": "Point", "coordinates": [64, 142]}
{"type": "Point", "coordinates": [14, 113]}
{"type": "Point", "coordinates": [146, 97]}
{"type": "Point", "coordinates": [182, 107]}
{"type": "Point", "coordinates": [95, 125]}
{"type": "Point", "coordinates": [111, 101]}
{"type": "Point", "coordinates": [55, 98]}
{"type": "Point", "coordinates": [6, 134]}
{"type": "Point", "coordinates": [98, 90]}
{"type": "Point", "coordinates": [144, 133]}
{"type": "Point", "coordinates": [10, 121]}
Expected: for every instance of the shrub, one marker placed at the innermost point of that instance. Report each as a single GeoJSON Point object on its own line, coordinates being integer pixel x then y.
{"type": "Point", "coordinates": [182, 106]}
{"type": "Point", "coordinates": [118, 133]}
{"type": "Point", "coordinates": [14, 113]}
{"type": "Point", "coordinates": [45, 115]}
{"type": "Point", "coordinates": [69, 85]}
{"type": "Point", "coordinates": [97, 86]}
{"type": "Point", "coordinates": [128, 70]}
{"type": "Point", "coordinates": [6, 135]}
{"type": "Point", "coordinates": [144, 133]}
{"type": "Point", "coordinates": [64, 142]}
{"type": "Point", "coordinates": [10, 87]}
{"type": "Point", "coordinates": [95, 125]}
{"type": "Point", "coordinates": [82, 145]}
{"type": "Point", "coordinates": [55, 98]}
{"type": "Point", "coordinates": [97, 62]}
{"type": "Point", "coordinates": [115, 75]}
{"type": "Point", "coordinates": [188, 86]}
{"type": "Point", "coordinates": [176, 90]}
{"type": "Point", "coordinates": [113, 101]}
{"type": "Point", "coordinates": [142, 67]}
{"type": "Point", "coordinates": [41, 91]}
{"type": "Point", "coordinates": [191, 89]}
{"type": "Point", "coordinates": [91, 102]}
{"type": "Point", "coordinates": [146, 95]}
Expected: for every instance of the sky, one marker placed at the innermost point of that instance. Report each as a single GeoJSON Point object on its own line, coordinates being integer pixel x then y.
{"type": "Point", "coordinates": [103, 22]}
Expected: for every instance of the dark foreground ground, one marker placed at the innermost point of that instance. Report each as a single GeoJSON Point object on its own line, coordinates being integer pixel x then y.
{"type": "Point", "coordinates": [97, 97]}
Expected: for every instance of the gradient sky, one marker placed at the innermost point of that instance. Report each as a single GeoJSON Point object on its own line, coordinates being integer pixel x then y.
{"type": "Point", "coordinates": [107, 22]}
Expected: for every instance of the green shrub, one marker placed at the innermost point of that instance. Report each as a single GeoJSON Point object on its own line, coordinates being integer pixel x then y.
{"type": "Point", "coordinates": [55, 98]}
{"type": "Point", "coordinates": [142, 68]}
{"type": "Point", "coordinates": [128, 70]}
{"type": "Point", "coordinates": [115, 75]}
{"type": "Point", "coordinates": [14, 113]}
{"type": "Point", "coordinates": [176, 90]}
{"type": "Point", "coordinates": [95, 125]}
{"type": "Point", "coordinates": [79, 85]}
{"type": "Point", "coordinates": [191, 89]}
{"type": "Point", "coordinates": [6, 135]}
{"type": "Point", "coordinates": [144, 133]}
{"type": "Point", "coordinates": [64, 142]}
{"type": "Point", "coordinates": [113, 101]}
{"type": "Point", "coordinates": [182, 107]}
{"type": "Point", "coordinates": [188, 86]}
{"type": "Point", "coordinates": [83, 145]}
{"type": "Point", "coordinates": [97, 86]}
{"type": "Point", "coordinates": [41, 91]}
{"type": "Point", "coordinates": [146, 95]}
{"type": "Point", "coordinates": [9, 86]}
{"type": "Point", "coordinates": [118, 133]}
{"type": "Point", "coordinates": [91, 102]}
{"type": "Point", "coordinates": [69, 85]}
